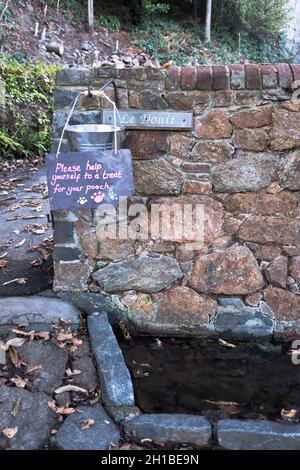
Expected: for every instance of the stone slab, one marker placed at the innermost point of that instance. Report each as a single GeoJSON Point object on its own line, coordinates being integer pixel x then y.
{"type": "Point", "coordinates": [98, 436]}
{"type": "Point", "coordinates": [175, 428]}
{"type": "Point", "coordinates": [38, 312]}
{"type": "Point", "coordinates": [234, 434]}
{"type": "Point", "coordinates": [115, 380]}
{"type": "Point", "coordinates": [34, 419]}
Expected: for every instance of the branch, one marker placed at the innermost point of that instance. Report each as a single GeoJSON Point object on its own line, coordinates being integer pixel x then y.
{"type": "Point", "coordinates": [4, 9]}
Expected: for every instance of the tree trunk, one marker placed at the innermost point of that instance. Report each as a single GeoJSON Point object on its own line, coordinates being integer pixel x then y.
{"type": "Point", "coordinates": [208, 21]}
{"type": "Point", "coordinates": [91, 14]}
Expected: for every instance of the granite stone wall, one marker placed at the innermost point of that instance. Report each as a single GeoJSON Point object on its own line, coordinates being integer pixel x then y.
{"type": "Point", "coordinates": [240, 162]}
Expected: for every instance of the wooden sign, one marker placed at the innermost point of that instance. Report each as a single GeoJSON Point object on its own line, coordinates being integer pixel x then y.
{"type": "Point", "coordinates": [84, 180]}
{"type": "Point", "coordinates": [141, 119]}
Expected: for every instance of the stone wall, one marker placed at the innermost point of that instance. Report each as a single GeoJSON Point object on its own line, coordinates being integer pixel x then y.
{"type": "Point", "coordinates": [241, 162]}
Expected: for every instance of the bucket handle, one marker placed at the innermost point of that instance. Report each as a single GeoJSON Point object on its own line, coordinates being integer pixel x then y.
{"type": "Point", "coordinates": [115, 114]}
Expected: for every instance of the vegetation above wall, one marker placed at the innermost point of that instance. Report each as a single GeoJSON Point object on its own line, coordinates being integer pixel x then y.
{"type": "Point", "coordinates": [26, 110]}
{"type": "Point", "coordinates": [239, 30]}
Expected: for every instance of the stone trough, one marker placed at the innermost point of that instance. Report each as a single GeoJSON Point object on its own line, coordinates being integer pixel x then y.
{"type": "Point", "coordinates": [177, 428]}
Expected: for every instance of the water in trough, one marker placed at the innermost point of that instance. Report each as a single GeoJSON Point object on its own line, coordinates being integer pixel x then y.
{"type": "Point", "coordinates": [212, 378]}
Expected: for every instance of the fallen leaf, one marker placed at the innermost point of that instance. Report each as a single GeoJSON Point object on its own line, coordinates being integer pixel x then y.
{"type": "Point", "coordinates": [37, 229]}
{"type": "Point", "coordinates": [70, 388]}
{"type": "Point", "coordinates": [87, 424]}
{"type": "Point", "coordinates": [16, 407]}
{"type": "Point", "coordinates": [289, 415]}
{"type": "Point", "coordinates": [15, 343]}
{"type": "Point", "coordinates": [19, 382]}
{"type": "Point", "coordinates": [23, 333]}
{"type": "Point", "coordinates": [52, 405]}
{"type": "Point", "coordinates": [64, 336]}
{"type": "Point", "coordinates": [3, 255]}
{"type": "Point", "coordinates": [21, 280]}
{"type": "Point", "coordinates": [37, 216]}
{"type": "Point", "coordinates": [226, 344]}
{"type": "Point", "coordinates": [45, 335]}
{"type": "Point", "coordinates": [36, 262]}
{"type": "Point", "coordinates": [31, 369]}
{"type": "Point", "coordinates": [20, 243]}
{"type": "Point", "coordinates": [14, 357]}
{"type": "Point", "coordinates": [18, 280]}
{"type": "Point", "coordinates": [10, 432]}
{"type": "Point", "coordinates": [15, 217]}
{"type": "Point", "coordinates": [2, 353]}
{"type": "Point", "coordinates": [70, 373]}
{"type": "Point", "coordinates": [65, 410]}
{"type": "Point", "coordinates": [3, 263]}
{"type": "Point", "coordinates": [64, 322]}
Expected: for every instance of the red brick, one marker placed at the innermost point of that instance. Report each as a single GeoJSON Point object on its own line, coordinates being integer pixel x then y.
{"type": "Point", "coordinates": [173, 78]}
{"type": "Point", "coordinates": [188, 78]}
{"type": "Point", "coordinates": [237, 76]}
{"type": "Point", "coordinates": [269, 76]}
{"type": "Point", "coordinates": [253, 79]}
{"type": "Point", "coordinates": [204, 78]}
{"type": "Point", "coordinates": [221, 77]}
{"type": "Point", "coordinates": [296, 71]}
{"type": "Point", "coordinates": [285, 75]}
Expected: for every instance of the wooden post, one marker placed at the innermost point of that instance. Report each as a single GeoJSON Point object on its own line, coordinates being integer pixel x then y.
{"type": "Point", "coordinates": [91, 14]}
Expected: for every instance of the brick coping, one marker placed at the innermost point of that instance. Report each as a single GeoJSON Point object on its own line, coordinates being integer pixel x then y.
{"type": "Point", "coordinates": [203, 77]}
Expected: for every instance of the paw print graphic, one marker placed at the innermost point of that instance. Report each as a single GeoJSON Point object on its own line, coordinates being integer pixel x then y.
{"type": "Point", "coordinates": [82, 200]}
{"type": "Point", "coordinates": [112, 195]}
{"type": "Point", "coordinates": [98, 197]}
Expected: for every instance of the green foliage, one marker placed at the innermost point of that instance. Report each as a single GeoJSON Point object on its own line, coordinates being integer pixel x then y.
{"type": "Point", "coordinates": [112, 23]}
{"type": "Point", "coordinates": [166, 40]}
{"type": "Point", "coordinates": [29, 103]}
{"type": "Point", "coordinates": [152, 7]}
{"type": "Point", "coordinates": [256, 16]}
{"type": "Point", "coordinates": [263, 16]}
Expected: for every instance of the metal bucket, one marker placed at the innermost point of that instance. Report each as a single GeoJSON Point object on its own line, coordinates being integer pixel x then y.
{"type": "Point", "coordinates": [85, 137]}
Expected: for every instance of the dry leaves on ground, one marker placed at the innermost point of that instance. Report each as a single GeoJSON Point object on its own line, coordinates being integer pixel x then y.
{"type": "Point", "coordinates": [10, 432]}
{"type": "Point", "coordinates": [71, 373]}
{"type": "Point", "coordinates": [36, 262]}
{"type": "Point", "coordinates": [19, 382]}
{"type": "Point", "coordinates": [65, 410]}
{"type": "Point", "coordinates": [16, 407]}
{"type": "Point", "coordinates": [15, 343]}
{"type": "Point", "coordinates": [3, 264]}
{"type": "Point", "coordinates": [67, 338]}
{"type": "Point", "coordinates": [226, 344]}
{"type": "Point", "coordinates": [33, 368]}
{"type": "Point", "coordinates": [15, 359]}
{"type": "Point", "coordinates": [20, 243]}
{"type": "Point", "coordinates": [289, 415]}
{"type": "Point", "coordinates": [61, 410]}
{"type": "Point", "coordinates": [70, 388]}
{"type": "Point", "coordinates": [87, 424]}
{"type": "Point", "coordinates": [17, 280]}
{"type": "Point", "coordinates": [36, 229]}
